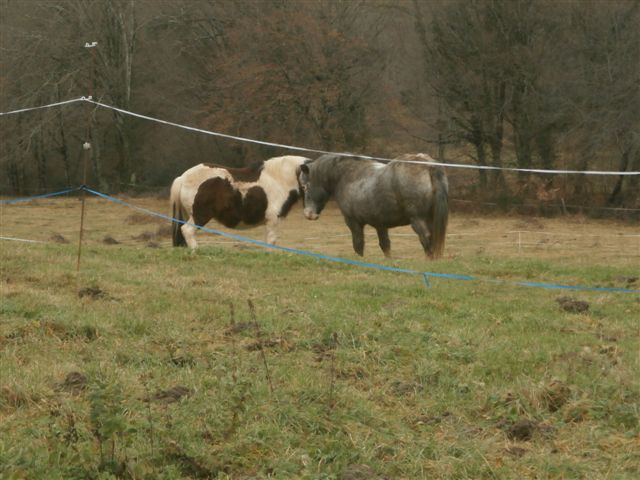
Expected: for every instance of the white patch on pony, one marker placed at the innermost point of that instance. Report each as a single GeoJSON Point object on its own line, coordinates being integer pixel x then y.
{"type": "Point", "coordinates": [277, 179]}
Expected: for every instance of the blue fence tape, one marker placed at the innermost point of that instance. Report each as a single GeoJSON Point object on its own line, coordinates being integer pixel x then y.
{"type": "Point", "coordinates": [425, 275]}
{"type": "Point", "coordinates": [37, 197]}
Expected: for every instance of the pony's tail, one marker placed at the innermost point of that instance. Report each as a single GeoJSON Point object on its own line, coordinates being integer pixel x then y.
{"type": "Point", "coordinates": [177, 212]}
{"type": "Point", "coordinates": [440, 211]}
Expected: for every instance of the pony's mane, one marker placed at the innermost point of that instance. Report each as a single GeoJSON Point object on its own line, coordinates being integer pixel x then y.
{"type": "Point", "coordinates": [284, 169]}
{"type": "Point", "coordinates": [250, 173]}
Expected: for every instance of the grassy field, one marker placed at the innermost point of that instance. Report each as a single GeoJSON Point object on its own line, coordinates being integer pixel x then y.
{"type": "Point", "coordinates": [152, 363]}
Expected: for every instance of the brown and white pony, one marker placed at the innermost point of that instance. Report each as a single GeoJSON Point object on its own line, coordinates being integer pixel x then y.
{"type": "Point", "coordinates": [235, 197]}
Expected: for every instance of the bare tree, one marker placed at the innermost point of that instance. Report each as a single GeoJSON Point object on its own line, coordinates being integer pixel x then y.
{"type": "Point", "coordinates": [605, 96]}
{"type": "Point", "coordinates": [463, 55]}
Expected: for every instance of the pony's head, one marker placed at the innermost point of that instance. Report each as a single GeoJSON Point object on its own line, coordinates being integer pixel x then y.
{"type": "Point", "coordinates": [314, 195]}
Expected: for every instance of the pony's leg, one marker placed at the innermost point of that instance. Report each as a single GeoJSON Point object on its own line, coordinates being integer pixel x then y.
{"type": "Point", "coordinates": [420, 227]}
{"type": "Point", "coordinates": [384, 242]}
{"type": "Point", "coordinates": [357, 235]}
{"type": "Point", "coordinates": [189, 233]}
{"type": "Point", "coordinates": [272, 234]}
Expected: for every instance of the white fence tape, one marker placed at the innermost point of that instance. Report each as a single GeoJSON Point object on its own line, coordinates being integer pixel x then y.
{"type": "Point", "coordinates": [312, 150]}
{"type": "Point", "coordinates": [23, 240]}
{"type": "Point", "coordinates": [57, 104]}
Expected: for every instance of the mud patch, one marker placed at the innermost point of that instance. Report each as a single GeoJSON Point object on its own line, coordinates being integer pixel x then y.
{"type": "Point", "coordinates": [93, 293]}
{"type": "Point", "coordinates": [269, 343]}
{"type": "Point", "coordinates": [628, 281]}
{"type": "Point", "coordinates": [109, 240]}
{"type": "Point", "coordinates": [556, 395]}
{"type": "Point", "coordinates": [572, 305]}
{"type": "Point", "coordinates": [324, 349]}
{"type": "Point", "coordinates": [514, 451]}
{"type": "Point", "coordinates": [431, 419]}
{"type": "Point", "coordinates": [182, 359]}
{"type": "Point", "coordinates": [236, 328]}
{"type": "Point", "coordinates": [174, 394]}
{"type": "Point", "coordinates": [577, 411]}
{"type": "Point", "coordinates": [351, 372]}
{"type": "Point", "coordinates": [75, 382]}
{"type": "Point", "coordinates": [402, 389]}
{"type": "Point", "coordinates": [189, 465]}
{"type": "Point", "coordinates": [611, 352]}
{"type": "Point", "coordinates": [58, 238]}
{"type": "Point", "coordinates": [521, 430]}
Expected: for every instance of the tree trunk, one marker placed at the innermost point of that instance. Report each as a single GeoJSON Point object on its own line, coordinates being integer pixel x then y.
{"type": "Point", "coordinates": [64, 148]}
{"type": "Point", "coordinates": [546, 149]}
{"type": "Point", "coordinates": [124, 166]}
{"type": "Point", "coordinates": [497, 135]}
{"type": "Point", "coordinates": [96, 159]}
{"type": "Point", "coordinates": [16, 177]}
{"type": "Point", "coordinates": [40, 159]}
{"type": "Point", "coordinates": [522, 131]}
{"type": "Point", "coordinates": [13, 173]}
{"type": "Point", "coordinates": [616, 198]}
{"type": "Point", "coordinates": [476, 138]}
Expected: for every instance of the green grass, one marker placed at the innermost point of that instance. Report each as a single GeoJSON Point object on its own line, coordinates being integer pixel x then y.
{"type": "Point", "coordinates": [367, 368]}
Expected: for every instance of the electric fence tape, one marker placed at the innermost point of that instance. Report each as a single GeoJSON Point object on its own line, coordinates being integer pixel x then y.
{"type": "Point", "coordinates": [39, 197]}
{"type": "Point", "coordinates": [425, 275]}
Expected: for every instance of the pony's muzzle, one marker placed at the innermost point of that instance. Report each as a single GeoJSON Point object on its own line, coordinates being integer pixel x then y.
{"type": "Point", "coordinates": [310, 214]}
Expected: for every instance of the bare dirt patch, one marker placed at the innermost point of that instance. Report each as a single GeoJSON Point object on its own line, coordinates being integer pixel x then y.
{"type": "Point", "coordinates": [173, 394]}
{"type": "Point", "coordinates": [75, 382]}
{"type": "Point", "coordinates": [109, 240]}
{"type": "Point", "coordinates": [572, 305]}
{"type": "Point", "coordinates": [93, 293]}
{"type": "Point", "coordinates": [238, 327]}
{"type": "Point", "coordinates": [555, 395]}
{"type": "Point", "coordinates": [402, 389]}
{"type": "Point", "coordinates": [521, 430]}
{"type": "Point", "coordinates": [58, 238]}
{"type": "Point", "coordinates": [279, 342]}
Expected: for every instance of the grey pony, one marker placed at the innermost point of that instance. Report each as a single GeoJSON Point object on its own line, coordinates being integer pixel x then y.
{"type": "Point", "coordinates": [383, 195]}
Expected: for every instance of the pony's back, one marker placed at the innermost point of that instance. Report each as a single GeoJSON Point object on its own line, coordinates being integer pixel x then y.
{"type": "Point", "coordinates": [284, 169]}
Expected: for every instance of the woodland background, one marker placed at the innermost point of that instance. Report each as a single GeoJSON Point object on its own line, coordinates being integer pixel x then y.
{"type": "Point", "coordinates": [532, 84]}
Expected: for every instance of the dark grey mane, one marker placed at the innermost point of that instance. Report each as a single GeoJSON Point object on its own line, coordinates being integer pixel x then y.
{"type": "Point", "coordinates": [333, 168]}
